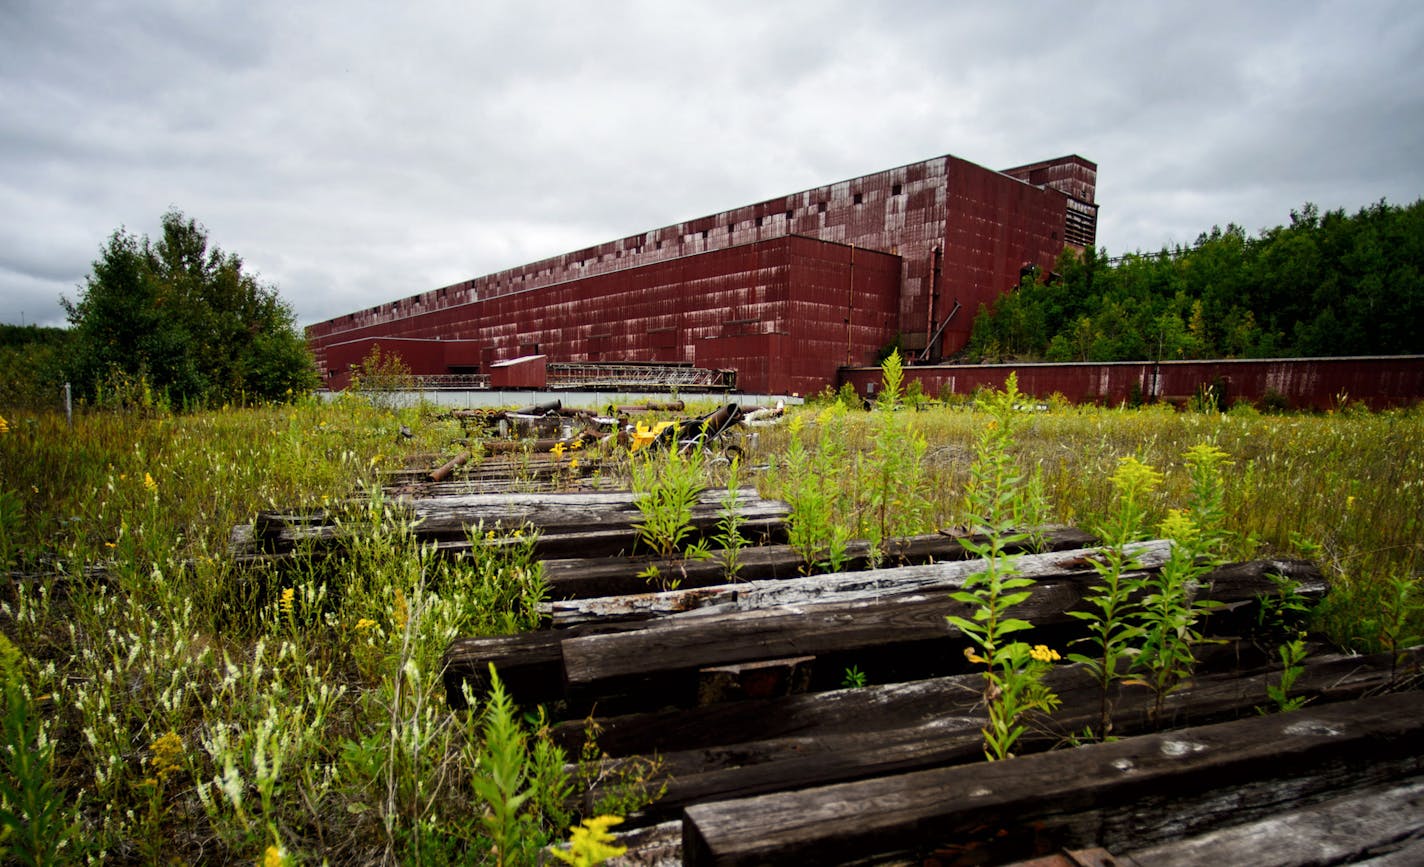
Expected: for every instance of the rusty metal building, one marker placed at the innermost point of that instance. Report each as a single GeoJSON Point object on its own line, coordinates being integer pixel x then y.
{"type": "Point", "coordinates": [785, 292]}
{"type": "Point", "coordinates": [1379, 382]}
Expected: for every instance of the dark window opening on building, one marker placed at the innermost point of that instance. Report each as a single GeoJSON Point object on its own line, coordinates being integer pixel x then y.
{"type": "Point", "coordinates": [859, 198]}
{"type": "Point", "coordinates": [789, 215]}
{"type": "Point", "coordinates": [895, 190]}
{"type": "Point", "coordinates": [760, 220]}
{"type": "Point", "coordinates": [704, 234]}
{"type": "Point", "coordinates": [821, 208]}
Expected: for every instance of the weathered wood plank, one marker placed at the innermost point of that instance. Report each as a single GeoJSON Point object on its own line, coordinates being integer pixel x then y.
{"type": "Point", "coordinates": [854, 734]}
{"type": "Point", "coordinates": [530, 664]}
{"type": "Point", "coordinates": [436, 514]}
{"type": "Point", "coordinates": [583, 578]}
{"type": "Point", "coordinates": [1325, 678]}
{"type": "Point", "coordinates": [851, 585]}
{"type": "Point", "coordinates": [654, 846]}
{"type": "Point", "coordinates": [605, 519]}
{"type": "Point", "coordinates": [684, 643]}
{"type": "Point", "coordinates": [1410, 854]}
{"type": "Point", "coordinates": [448, 517]}
{"type": "Point", "coordinates": [1343, 830]}
{"type": "Point", "coordinates": [538, 661]}
{"type": "Point", "coordinates": [1134, 792]}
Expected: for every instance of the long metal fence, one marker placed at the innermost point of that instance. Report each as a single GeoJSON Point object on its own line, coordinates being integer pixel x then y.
{"type": "Point", "coordinates": [596, 376]}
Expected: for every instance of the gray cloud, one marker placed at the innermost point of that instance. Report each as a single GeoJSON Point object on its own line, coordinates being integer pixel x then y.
{"type": "Point", "coordinates": [353, 153]}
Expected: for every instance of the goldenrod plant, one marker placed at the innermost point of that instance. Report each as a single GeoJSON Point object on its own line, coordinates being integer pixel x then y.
{"type": "Point", "coordinates": [728, 537]}
{"type": "Point", "coordinates": [617, 787]}
{"type": "Point", "coordinates": [818, 527]}
{"type": "Point", "coordinates": [1292, 653]}
{"type": "Point", "coordinates": [1113, 617]}
{"type": "Point", "coordinates": [503, 777]}
{"type": "Point", "coordinates": [1014, 671]}
{"type": "Point", "coordinates": [891, 473]}
{"type": "Point", "coordinates": [591, 843]}
{"type": "Point", "coordinates": [1171, 608]}
{"type": "Point", "coordinates": [666, 488]}
{"type": "Point", "coordinates": [1400, 619]}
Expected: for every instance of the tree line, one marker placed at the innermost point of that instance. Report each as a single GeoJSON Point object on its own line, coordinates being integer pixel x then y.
{"type": "Point", "coordinates": [180, 321]}
{"type": "Point", "coordinates": [1326, 284]}
{"type": "Point", "coordinates": [173, 321]}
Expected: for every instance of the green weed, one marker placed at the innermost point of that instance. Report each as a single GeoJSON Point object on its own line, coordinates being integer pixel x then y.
{"type": "Point", "coordinates": [667, 486]}
{"type": "Point", "coordinates": [1113, 618]}
{"type": "Point", "coordinates": [816, 528]}
{"type": "Point", "coordinates": [1014, 671]}
{"type": "Point", "coordinates": [1170, 610]}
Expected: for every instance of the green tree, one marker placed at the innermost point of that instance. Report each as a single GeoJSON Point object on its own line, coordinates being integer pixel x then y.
{"type": "Point", "coordinates": [186, 319]}
{"type": "Point", "coordinates": [32, 365]}
{"type": "Point", "coordinates": [1326, 284]}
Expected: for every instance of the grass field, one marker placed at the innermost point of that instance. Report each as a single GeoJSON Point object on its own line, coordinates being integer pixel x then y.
{"type": "Point", "coordinates": [162, 704]}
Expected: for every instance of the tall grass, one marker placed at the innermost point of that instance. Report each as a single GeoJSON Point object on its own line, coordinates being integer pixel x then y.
{"type": "Point", "coordinates": [198, 710]}
{"type": "Point", "coordinates": [1344, 489]}
{"type": "Point", "coordinates": [182, 707]}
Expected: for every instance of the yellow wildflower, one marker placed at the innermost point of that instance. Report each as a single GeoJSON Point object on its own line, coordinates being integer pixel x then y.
{"type": "Point", "coordinates": [1043, 653]}
{"type": "Point", "coordinates": [4, 425]}
{"type": "Point", "coordinates": [973, 657]}
{"type": "Point", "coordinates": [573, 464]}
{"type": "Point", "coordinates": [591, 842]}
{"type": "Point", "coordinates": [166, 754]}
{"type": "Point", "coordinates": [1133, 477]}
{"type": "Point", "coordinates": [576, 444]}
{"type": "Point", "coordinates": [365, 623]}
{"type": "Point", "coordinates": [289, 597]}
{"type": "Point", "coordinates": [402, 611]}
{"type": "Point", "coordinates": [558, 450]}
{"type": "Point", "coordinates": [1349, 501]}
{"type": "Point", "coordinates": [149, 484]}
{"type": "Point", "coordinates": [274, 857]}
{"type": "Point", "coordinates": [1208, 455]}
{"type": "Point", "coordinates": [1179, 527]}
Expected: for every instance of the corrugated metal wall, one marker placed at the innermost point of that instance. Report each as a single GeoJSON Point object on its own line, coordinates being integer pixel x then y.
{"type": "Point", "coordinates": [1304, 383]}
{"type": "Point", "coordinates": [723, 309]}
{"type": "Point", "coordinates": [985, 225]}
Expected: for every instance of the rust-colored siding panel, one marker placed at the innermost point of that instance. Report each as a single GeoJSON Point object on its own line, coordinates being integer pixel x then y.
{"type": "Point", "coordinates": [530, 371]}
{"type": "Point", "coordinates": [655, 295]}
{"type": "Point", "coordinates": [680, 310]}
{"type": "Point", "coordinates": [1303, 383]}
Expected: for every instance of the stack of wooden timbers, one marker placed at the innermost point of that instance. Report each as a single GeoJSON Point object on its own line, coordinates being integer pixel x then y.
{"type": "Point", "coordinates": [592, 524]}
{"type": "Point", "coordinates": [731, 697]}
{"type": "Point", "coordinates": [549, 442]}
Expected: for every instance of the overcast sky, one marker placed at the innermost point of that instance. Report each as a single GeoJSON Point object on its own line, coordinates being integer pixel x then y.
{"type": "Point", "coordinates": [353, 153]}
